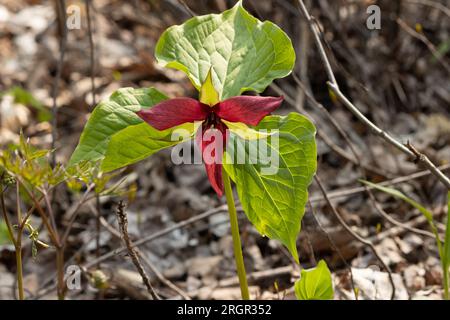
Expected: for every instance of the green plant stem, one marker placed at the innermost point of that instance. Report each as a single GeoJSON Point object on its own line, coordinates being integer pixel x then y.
{"type": "Point", "coordinates": [236, 237]}
{"type": "Point", "coordinates": [445, 258]}
{"type": "Point", "coordinates": [19, 270]}
{"type": "Point", "coordinates": [16, 242]}
{"type": "Point", "coordinates": [54, 237]}
{"type": "Point", "coordinates": [445, 280]}
{"type": "Point", "coordinates": [18, 245]}
{"type": "Point", "coordinates": [6, 218]}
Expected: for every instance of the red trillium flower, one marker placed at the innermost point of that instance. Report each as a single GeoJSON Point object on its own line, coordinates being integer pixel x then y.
{"type": "Point", "coordinates": [215, 115]}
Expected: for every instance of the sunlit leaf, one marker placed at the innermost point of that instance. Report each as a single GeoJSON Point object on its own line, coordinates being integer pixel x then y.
{"type": "Point", "coordinates": [242, 52]}
{"type": "Point", "coordinates": [115, 136]}
{"type": "Point", "coordinates": [273, 195]}
{"type": "Point", "coordinates": [315, 283]}
{"type": "Point", "coordinates": [4, 234]}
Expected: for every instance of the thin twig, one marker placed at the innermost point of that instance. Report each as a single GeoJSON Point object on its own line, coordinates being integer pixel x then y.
{"type": "Point", "coordinates": [355, 235]}
{"type": "Point", "coordinates": [61, 14]}
{"type": "Point", "coordinates": [253, 277]}
{"type": "Point", "coordinates": [333, 85]}
{"type": "Point", "coordinates": [321, 133]}
{"type": "Point", "coordinates": [316, 34]}
{"type": "Point", "coordinates": [6, 218]}
{"type": "Point", "coordinates": [303, 47]}
{"type": "Point", "coordinates": [338, 194]}
{"type": "Point", "coordinates": [333, 121]}
{"type": "Point", "coordinates": [421, 37]}
{"type": "Point", "coordinates": [94, 103]}
{"type": "Point", "coordinates": [91, 49]}
{"type": "Point", "coordinates": [53, 233]}
{"type": "Point", "coordinates": [358, 161]}
{"type": "Point", "coordinates": [344, 193]}
{"type": "Point", "coordinates": [419, 158]}
{"type": "Point", "coordinates": [123, 227]}
{"type": "Point", "coordinates": [157, 235]}
{"type": "Point", "coordinates": [73, 213]}
{"type": "Point", "coordinates": [395, 222]}
{"type": "Point", "coordinates": [163, 279]}
{"type": "Point", "coordinates": [335, 248]}
{"type": "Point", "coordinates": [146, 261]}
{"type": "Point", "coordinates": [186, 7]}
{"type": "Point", "coordinates": [49, 209]}
{"type": "Point", "coordinates": [433, 4]}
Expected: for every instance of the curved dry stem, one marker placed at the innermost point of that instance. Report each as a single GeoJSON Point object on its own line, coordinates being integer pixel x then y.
{"type": "Point", "coordinates": [356, 236]}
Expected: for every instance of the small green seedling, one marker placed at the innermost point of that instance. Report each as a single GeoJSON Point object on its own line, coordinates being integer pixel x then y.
{"type": "Point", "coordinates": [28, 172]}
{"type": "Point", "coordinates": [444, 250]}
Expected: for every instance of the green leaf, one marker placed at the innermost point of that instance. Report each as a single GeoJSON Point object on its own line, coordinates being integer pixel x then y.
{"type": "Point", "coordinates": [4, 234]}
{"type": "Point", "coordinates": [274, 201]}
{"type": "Point", "coordinates": [25, 97]}
{"type": "Point", "coordinates": [115, 136]}
{"type": "Point", "coordinates": [446, 253]}
{"type": "Point", "coordinates": [242, 52]}
{"type": "Point", "coordinates": [34, 250]}
{"type": "Point", "coordinates": [315, 283]}
{"type": "Point", "coordinates": [136, 143]}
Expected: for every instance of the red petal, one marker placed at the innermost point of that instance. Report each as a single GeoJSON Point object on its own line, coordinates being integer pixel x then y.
{"type": "Point", "coordinates": [247, 109]}
{"type": "Point", "coordinates": [173, 112]}
{"type": "Point", "coordinates": [206, 138]}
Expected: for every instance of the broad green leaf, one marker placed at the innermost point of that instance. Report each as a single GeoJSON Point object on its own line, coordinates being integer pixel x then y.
{"type": "Point", "coordinates": [137, 142]}
{"type": "Point", "coordinates": [242, 52]}
{"type": "Point", "coordinates": [115, 122]}
{"type": "Point", "coordinates": [315, 283]}
{"type": "Point", "coordinates": [427, 214]}
{"type": "Point", "coordinates": [274, 197]}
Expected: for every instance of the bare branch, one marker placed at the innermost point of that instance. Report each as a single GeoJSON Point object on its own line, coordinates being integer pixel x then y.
{"type": "Point", "coordinates": [433, 4]}
{"type": "Point", "coordinates": [61, 14]}
{"type": "Point", "coordinates": [333, 85]}
{"type": "Point", "coordinates": [421, 37]}
{"type": "Point", "coordinates": [123, 226]}
{"type": "Point", "coordinates": [355, 235]}
{"type": "Point", "coordinates": [338, 194]}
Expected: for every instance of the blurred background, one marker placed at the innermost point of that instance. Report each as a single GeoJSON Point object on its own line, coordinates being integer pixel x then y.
{"type": "Point", "coordinates": [397, 75]}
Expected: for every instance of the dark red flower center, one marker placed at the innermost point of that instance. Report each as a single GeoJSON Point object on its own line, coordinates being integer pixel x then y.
{"type": "Point", "coordinates": [212, 119]}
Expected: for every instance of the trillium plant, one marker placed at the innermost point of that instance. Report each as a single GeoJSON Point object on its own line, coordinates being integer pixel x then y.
{"type": "Point", "coordinates": [223, 55]}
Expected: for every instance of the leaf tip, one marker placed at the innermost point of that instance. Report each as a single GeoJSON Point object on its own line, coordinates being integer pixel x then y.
{"type": "Point", "coordinates": [208, 93]}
